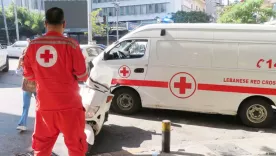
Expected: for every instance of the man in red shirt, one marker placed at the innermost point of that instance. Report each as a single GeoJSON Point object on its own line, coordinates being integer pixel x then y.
{"type": "Point", "coordinates": [56, 63]}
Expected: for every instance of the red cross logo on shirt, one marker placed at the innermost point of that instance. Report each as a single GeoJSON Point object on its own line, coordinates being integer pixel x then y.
{"type": "Point", "coordinates": [46, 56]}
{"type": "Point", "coordinates": [124, 71]}
{"type": "Point", "coordinates": [182, 85]}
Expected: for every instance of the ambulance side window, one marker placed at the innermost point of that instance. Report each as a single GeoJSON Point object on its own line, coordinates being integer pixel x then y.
{"type": "Point", "coordinates": [129, 49]}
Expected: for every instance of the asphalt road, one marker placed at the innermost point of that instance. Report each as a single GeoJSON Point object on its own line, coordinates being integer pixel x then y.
{"type": "Point", "coordinates": [140, 130]}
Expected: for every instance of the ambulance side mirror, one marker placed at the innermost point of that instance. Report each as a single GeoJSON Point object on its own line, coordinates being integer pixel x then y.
{"type": "Point", "coordinates": [105, 56]}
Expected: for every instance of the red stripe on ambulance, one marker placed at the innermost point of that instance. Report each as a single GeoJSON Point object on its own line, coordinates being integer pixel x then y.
{"type": "Point", "coordinates": [203, 87]}
{"type": "Point", "coordinates": [144, 83]}
{"type": "Point", "coordinates": [236, 89]}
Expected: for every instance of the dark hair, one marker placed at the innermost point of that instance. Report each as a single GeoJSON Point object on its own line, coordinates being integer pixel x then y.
{"type": "Point", "coordinates": [54, 16]}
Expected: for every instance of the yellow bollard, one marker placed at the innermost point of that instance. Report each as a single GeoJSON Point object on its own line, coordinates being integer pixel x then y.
{"type": "Point", "coordinates": [166, 136]}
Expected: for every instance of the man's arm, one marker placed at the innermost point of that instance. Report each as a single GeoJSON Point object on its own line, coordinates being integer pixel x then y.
{"type": "Point", "coordinates": [20, 62]}
{"type": "Point", "coordinates": [27, 68]}
{"type": "Point", "coordinates": [79, 67]}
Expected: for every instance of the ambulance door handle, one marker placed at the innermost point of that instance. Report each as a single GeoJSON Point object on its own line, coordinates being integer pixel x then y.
{"type": "Point", "coordinates": [139, 70]}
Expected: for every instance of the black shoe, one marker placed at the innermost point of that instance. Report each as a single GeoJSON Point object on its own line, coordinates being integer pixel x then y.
{"type": "Point", "coordinates": [32, 154]}
{"type": "Point", "coordinates": [26, 154]}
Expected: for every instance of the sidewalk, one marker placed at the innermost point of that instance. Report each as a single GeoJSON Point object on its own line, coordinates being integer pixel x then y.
{"type": "Point", "coordinates": [241, 147]}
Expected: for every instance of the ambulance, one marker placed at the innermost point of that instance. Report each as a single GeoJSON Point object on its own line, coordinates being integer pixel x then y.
{"type": "Point", "coordinates": [207, 68]}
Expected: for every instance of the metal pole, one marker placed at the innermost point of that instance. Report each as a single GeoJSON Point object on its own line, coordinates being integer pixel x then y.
{"type": "Point", "coordinates": [16, 20]}
{"type": "Point", "coordinates": [107, 31]}
{"type": "Point", "coordinates": [5, 22]}
{"type": "Point", "coordinates": [166, 136]}
{"type": "Point", "coordinates": [117, 14]}
{"type": "Point", "coordinates": [89, 10]}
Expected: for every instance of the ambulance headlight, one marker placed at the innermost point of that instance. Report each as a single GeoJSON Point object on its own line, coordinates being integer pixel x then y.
{"type": "Point", "coordinates": [91, 111]}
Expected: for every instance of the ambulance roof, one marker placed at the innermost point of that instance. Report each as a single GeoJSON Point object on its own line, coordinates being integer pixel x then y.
{"type": "Point", "coordinates": [202, 26]}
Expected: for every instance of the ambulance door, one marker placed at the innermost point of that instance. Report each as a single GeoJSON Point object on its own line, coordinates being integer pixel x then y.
{"type": "Point", "coordinates": [129, 61]}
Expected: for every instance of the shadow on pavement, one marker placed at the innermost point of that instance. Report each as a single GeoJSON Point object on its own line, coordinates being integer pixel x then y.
{"type": "Point", "coordinates": [172, 153]}
{"type": "Point", "coordinates": [110, 139]}
{"type": "Point", "coordinates": [268, 150]}
{"type": "Point", "coordinates": [178, 153]}
{"type": "Point", "coordinates": [197, 119]}
{"type": "Point", "coordinates": [12, 140]}
{"type": "Point", "coordinates": [10, 80]}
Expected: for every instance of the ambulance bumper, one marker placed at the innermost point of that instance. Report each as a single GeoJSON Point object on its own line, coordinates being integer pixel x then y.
{"type": "Point", "coordinates": [90, 136]}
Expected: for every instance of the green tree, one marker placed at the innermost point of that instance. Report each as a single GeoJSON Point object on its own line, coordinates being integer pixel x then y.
{"type": "Point", "coordinates": [30, 21]}
{"type": "Point", "coordinates": [98, 28]}
{"type": "Point", "coordinates": [190, 17]}
{"type": "Point", "coordinates": [249, 11]}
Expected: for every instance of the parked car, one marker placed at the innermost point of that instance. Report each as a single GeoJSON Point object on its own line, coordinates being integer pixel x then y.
{"type": "Point", "coordinates": [90, 52]}
{"type": "Point", "coordinates": [16, 49]}
{"type": "Point", "coordinates": [1, 46]}
{"type": "Point", "coordinates": [4, 61]}
{"type": "Point", "coordinates": [102, 46]}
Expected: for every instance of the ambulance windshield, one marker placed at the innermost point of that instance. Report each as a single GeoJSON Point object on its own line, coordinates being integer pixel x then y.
{"type": "Point", "coordinates": [128, 49]}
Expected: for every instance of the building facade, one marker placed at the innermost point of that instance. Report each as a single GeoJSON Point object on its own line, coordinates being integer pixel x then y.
{"type": "Point", "coordinates": [129, 10]}
{"type": "Point", "coordinates": [135, 10]}
{"type": "Point", "coordinates": [37, 5]}
{"type": "Point", "coordinates": [146, 11]}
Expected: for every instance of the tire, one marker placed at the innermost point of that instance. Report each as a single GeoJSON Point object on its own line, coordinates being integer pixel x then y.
{"type": "Point", "coordinates": [264, 113]}
{"type": "Point", "coordinates": [89, 149]}
{"type": "Point", "coordinates": [6, 69]}
{"type": "Point", "coordinates": [126, 101]}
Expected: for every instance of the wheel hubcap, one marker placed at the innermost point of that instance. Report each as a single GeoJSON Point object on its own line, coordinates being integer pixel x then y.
{"type": "Point", "coordinates": [125, 102]}
{"type": "Point", "coordinates": [256, 113]}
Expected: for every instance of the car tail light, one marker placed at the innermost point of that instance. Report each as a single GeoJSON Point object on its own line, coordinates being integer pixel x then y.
{"type": "Point", "coordinates": [109, 98]}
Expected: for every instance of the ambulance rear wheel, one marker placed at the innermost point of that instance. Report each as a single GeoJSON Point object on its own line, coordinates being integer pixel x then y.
{"type": "Point", "coordinates": [257, 112]}
{"type": "Point", "coordinates": [126, 101]}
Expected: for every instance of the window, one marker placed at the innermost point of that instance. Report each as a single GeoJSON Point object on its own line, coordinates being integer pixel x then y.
{"type": "Point", "coordinates": [122, 11]}
{"type": "Point", "coordinates": [163, 7]}
{"type": "Point", "coordinates": [131, 10]}
{"type": "Point", "coordinates": [143, 9]}
{"type": "Point", "coordinates": [150, 8]}
{"type": "Point", "coordinates": [111, 11]}
{"type": "Point", "coordinates": [137, 10]}
{"type": "Point", "coordinates": [93, 51]}
{"type": "Point", "coordinates": [127, 10]}
{"type": "Point", "coordinates": [157, 8]}
{"type": "Point", "coordinates": [129, 49]}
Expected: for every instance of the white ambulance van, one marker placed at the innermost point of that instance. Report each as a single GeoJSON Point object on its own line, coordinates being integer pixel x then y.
{"type": "Point", "coordinates": [208, 68]}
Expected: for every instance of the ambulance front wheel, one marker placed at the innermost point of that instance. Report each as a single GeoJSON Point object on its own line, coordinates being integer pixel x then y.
{"type": "Point", "coordinates": [257, 112]}
{"type": "Point", "coordinates": [126, 101]}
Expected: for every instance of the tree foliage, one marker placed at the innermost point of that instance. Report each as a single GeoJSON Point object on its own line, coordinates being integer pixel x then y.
{"type": "Point", "coordinates": [190, 17]}
{"type": "Point", "coordinates": [249, 11]}
{"type": "Point", "coordinates": [30, 21]}
{"type": "Point", "coordinates": [98, 28]}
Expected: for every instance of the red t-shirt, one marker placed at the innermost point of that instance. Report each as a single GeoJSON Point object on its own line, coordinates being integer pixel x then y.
{"type": "Point", "coordinates": [56, 63]}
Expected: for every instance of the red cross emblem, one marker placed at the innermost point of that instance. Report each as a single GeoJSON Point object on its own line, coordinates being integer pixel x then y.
{"type": "Point", "coordinates": [46, 56]}
{"type": "Point", "coordinates": [182, 85]}
{"type": "Point", "coordinates": [124, 71]}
